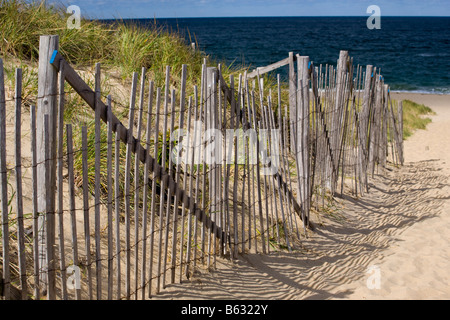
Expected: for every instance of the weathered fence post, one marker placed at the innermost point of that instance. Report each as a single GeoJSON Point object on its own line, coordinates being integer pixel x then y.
{"type": "Point", "coordinates": [339, 110]}
{"type": "Point", "coordinates": [292, 99]}
{"type": "Point", "coordinates": [302, 132]}
{"type": "Point", "coordinates": [375, 127]}
{"type": "Point", "coordinates": [212, 115]}
{"type": "Point", "coordinates": [365, 124]}
{"type": "Point", "coordinates": [46, 105]}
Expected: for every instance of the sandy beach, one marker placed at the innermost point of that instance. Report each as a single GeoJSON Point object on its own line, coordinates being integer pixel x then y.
{"type": "Point", "coordinates": [393, 243]}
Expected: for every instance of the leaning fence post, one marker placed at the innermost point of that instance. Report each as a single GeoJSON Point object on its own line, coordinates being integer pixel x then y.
{"type": "Point", "coordinates": [46, 104]}
{"type": "Point", "coordinates": [292, 99]}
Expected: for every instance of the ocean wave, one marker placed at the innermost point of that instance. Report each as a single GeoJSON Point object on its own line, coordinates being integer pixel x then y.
{"type": "Point", "coordinates": [414, 88]}
{"type": "Point", "coordinates": [430, 55]}
{"type": "Point", "coordinates": [424, 91]}
{"type": "Point", "coordinates": [444, 92]}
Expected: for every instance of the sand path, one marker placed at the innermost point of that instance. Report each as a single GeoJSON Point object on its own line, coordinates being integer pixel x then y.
{"type": "Point", "coordinates": [398, 234]}
{"type": "Point", "coordinates": [417, 265]}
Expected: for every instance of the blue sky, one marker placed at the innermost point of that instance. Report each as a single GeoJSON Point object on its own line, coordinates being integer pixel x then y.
{"type": "Point", "coordinates": [230, 8]}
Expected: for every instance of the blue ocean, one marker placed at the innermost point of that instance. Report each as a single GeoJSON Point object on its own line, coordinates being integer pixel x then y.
{"type": "Point", "coordinates": [412, 52]}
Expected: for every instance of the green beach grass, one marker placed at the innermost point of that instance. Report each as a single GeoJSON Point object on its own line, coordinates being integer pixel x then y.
{"type": "Point", "coordinates": [120, 48]}
{"type": "Point", "coordinates": [117, 45]}
{"type": "Point", "coordinates": [414, 117]}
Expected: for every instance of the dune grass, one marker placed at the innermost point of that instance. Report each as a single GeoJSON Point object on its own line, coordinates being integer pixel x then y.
{"type": "Point", "coordinates": [414, 117]}
{"type": "Point", "coordinates": [117, 45]}
{"type": "Point", "coordinates": [22, 22]}
{"type": "Point", "coordinates": [121, 48]}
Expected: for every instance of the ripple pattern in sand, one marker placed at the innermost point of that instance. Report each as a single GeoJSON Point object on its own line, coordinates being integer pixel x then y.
{"type": "Point", "coordinates": [333, 261]}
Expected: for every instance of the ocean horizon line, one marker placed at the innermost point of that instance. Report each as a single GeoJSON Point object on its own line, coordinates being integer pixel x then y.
{"type": "Point", "coordinates": [262, 17]}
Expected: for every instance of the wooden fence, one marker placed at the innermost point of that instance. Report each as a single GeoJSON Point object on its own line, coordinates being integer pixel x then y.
{"type": "Point", "coordinates": [243, 176]}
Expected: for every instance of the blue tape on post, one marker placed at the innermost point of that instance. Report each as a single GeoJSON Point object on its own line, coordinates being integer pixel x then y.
{"type": "Point", "coordinates": [53, 56]}
{"type": "Point", "coordinates": [309, 65]}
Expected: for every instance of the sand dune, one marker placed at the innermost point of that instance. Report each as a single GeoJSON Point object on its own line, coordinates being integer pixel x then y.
{"type": "Point", "coordinates": [391, 244]}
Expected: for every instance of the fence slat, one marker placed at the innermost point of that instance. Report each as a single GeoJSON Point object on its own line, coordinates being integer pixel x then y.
{"type": "Point", "coordinates": [60, 195]}
{"type": "Point", "coordinates": [203, 113]}
{"type": "Point", "coordinates": [246, 161]}
{"type": "Point", "coordinates": [185, 186]}
{"type": "Point", "coordinates": [109, 173]}
{"type": "Point", "coordinates": [98, 254]}
{"type": "Point", "coordinates": [221, 115]}
{"type": "Point", "coordinates": [177, 177]}
{"type": "Point", "coordinates": [287, 177]}
{"type": "Point", "coordinates": [117, 210]}
{"type": "Point", "coordinates": [395, 135]}
{"type": "Point", "coordinates": [19, 194]}
{"type": "Point", "coordinates": [365, 124]}
{"type": "Point", "coordinates": [292, 100]}
{"type": "Point", "coordinates": [73, 212]}
{"type": "Point", "coordinates": [255, 171]}
{"type": "Point", "coordinates": [258, 176]}
{"type": "Point", "coordinates": [251, 168]}
{"type": "Point", "coordinates": [49, 217]}
{"type": "Point", "coordinates": [137, 186]}
{"type": "Point", "coordinates": [4, 190]}
{"type": "Point", "coordinates": [34, 201]}
{"type": "Point", "coordinates": [272, 184]}
{"type": "Point", "coordinates": [400, 130]}
{"type": "Point", "coordinates": [127, 190]}
{"type": "Point", "coordinates": [153, 204]}
{"type": "Point", "coordinates": [145, 193]}
{"type": "Point", "coordinates": [217, 221]}
{"type": "Point", "coordinates": [198, 154]}
{"type": "Point", "coordinates": [86, 216]}
{"type": "Point", "coordinates": [211, 116]}
{"type": "Point", "coordinates": [267, 184]}
{"type": "Point", "coordinates": [192, 149]}
{"type": "Point", "coordinates": [236, 179]}
{"type": "Point", "coordinates": [170, 190]}
{"type": "Point", "coordinates": [163, 186]}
